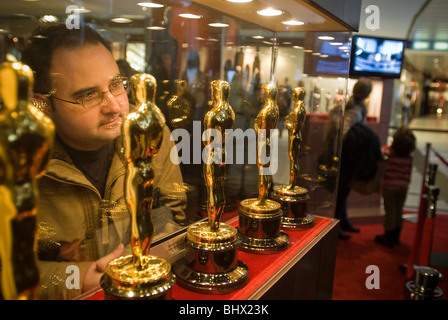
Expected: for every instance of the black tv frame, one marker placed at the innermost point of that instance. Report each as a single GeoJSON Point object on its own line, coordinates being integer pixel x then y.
{"type": "Point", "coordinates": [356, 74]}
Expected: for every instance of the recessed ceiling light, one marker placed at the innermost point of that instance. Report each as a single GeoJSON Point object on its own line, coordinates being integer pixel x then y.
{"type": "Point", "coordinates": [121, 20]}
{"type": "Point", "coordinates": [48, 18]}
{"type": "Point", "coordinates": [218, 25]}
{"type": "Point", "coordinates": [239, 1]}
{"type": "Point", "coordinates": [293, 22]}
{"type": "Point", "coordinates": [336, 43]}
{"type": "Point", "coordinates": [155, 28]}
{"type": "Point", "coordinates": [325, 38]}
{"type": "Point", "coordinates": [190, 16]}
{"type": "Point", "coordinates": [150, 4]}
{"type": "Point", "coordinates": [81, 10]}
{"type": "Point", "coordinates": [269, 12]}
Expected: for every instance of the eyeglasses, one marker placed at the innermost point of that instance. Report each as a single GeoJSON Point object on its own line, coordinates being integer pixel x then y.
{"type": "Point", "coordinates": [90, 99]}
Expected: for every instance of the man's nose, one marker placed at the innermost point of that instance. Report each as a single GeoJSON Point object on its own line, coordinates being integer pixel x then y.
{"type": "Point", "coordinates": [110, 103]}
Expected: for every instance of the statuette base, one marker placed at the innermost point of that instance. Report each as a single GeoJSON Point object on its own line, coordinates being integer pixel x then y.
{"type": "Point", "coordinates": [294, 204]}
{"type": "Point", "coordinates": [260, 227]}
{"type": "Point", "coordinates": [124, 281]}
{"type": "Point", "coordinates": [211, 262]}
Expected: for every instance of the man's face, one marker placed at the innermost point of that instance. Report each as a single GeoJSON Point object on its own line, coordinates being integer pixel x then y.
{"type": "Point", "coordinates": [75, 73]}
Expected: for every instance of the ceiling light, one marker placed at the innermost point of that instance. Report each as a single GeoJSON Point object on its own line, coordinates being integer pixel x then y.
{"type": "Point", "coordinates": [293, 22]}
{"type": "Point", "coordinates": [218, 25]}
{"type": "Point", "coordinates": [48, 18]}
{"type": "Point", "coordinates": [150, 4]}
{"type": "Point", "coordinates": [269, 12]}
{"type": "Point", "coordinates": [81, 10]}
{"type": "Point", "coordinates": [258, 37]}
{"type": "Point", "coordinates": [336, 43]}
{"type": "Point", "coordinates": [420, 45]}
{"type": "Point", "coordinates": [121, 20]}
{"type": "Point", "coordinates": [190, 16]}
{"type": "Point", "coordinates": [155, 28]}
{"type": "Point", "coordinates": [438, 45]}
{"type": "Point", "coordinates": [325, 38]}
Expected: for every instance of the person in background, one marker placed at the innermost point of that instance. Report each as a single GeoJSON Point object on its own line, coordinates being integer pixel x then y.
{"type": "Point", "coordinates": [395, 184]}
{"type": "Point", "coordinates": [355, 109]}
{"type": "Point", "coordinates": [355, 113]}
{"type": "Point", "coordinates": [83, 223]}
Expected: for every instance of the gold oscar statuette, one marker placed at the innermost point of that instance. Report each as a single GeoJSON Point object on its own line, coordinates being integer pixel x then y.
{"type": "Point", "coordinates": [294, 198]}
{"type": "Point", "coordinates": [211, 262]}
{"type": "Point", "coordinates": [140, 275]}
{"type": "Point", "coordinates": [26, 144]}
{"type": "Point", "coordinates": [260, 218]}
{"type": "Point", "coordinates": [179, 109]}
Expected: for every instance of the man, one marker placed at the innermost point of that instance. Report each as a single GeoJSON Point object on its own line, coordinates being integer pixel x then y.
{"type": "Point", "coordinates": [356, 110]}
{"type": "Point", "coordinates": [83, 222]}
{"type": "Point", "coordinates": [354, 131]}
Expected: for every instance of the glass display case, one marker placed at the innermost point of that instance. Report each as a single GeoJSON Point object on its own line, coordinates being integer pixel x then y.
{"type": "Point", "coordinates": [185, 46]}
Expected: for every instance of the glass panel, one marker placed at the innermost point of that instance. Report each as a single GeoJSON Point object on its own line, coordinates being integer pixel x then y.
{"type": "Point", "coordinates": [198, 42]}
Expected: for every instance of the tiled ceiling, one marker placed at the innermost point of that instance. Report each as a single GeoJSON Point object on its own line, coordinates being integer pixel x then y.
{"type": "Point", "coordinates": [430, 25]}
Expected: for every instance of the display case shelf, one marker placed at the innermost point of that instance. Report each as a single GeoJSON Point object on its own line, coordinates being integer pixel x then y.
{"type": "Point", "coordinates": [303, 271]}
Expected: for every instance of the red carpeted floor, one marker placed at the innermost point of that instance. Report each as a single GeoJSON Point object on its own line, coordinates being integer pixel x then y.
{"type": "Point", "coordinates": [361, 251]}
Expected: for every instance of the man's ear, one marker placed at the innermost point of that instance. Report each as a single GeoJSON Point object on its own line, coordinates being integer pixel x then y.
{"type": "Point", "coordinates": [42, 103]}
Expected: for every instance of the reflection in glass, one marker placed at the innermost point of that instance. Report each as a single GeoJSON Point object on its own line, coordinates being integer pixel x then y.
{"type": "Point", "coordinates": [192, 51]}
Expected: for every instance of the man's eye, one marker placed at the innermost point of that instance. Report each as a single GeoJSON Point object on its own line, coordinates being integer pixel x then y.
{"type": "Point", "coordinates": [115, 85]}
{"type": "Point", "coordinates": [88, 95]}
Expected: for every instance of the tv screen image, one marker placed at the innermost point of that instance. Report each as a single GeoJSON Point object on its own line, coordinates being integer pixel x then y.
{"type": "Point", "coordinates": [376, 56]}
{"type": "Point", "coordinates": [337, 60]}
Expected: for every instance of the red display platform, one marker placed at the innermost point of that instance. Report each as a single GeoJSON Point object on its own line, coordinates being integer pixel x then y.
{"type": "Point", "coordinates": [262, 267]}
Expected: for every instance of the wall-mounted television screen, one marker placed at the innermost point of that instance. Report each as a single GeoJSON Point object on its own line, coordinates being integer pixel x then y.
{"type": "Point", "coordinates": [378, 57]}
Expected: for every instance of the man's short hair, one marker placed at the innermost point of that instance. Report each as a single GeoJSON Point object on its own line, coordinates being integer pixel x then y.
{"type": "Point", "coordinates": [46, 40]}
{"type": "Point", "coordinates": [362, 89]}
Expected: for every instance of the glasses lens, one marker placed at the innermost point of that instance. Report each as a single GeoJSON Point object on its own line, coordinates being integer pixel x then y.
{"type": "Point", "coordinates": [92, 100]}
{"type": "Point", "coordinates": [119, 86]}
{"type": "Point", "coordinates": [116, 87]}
